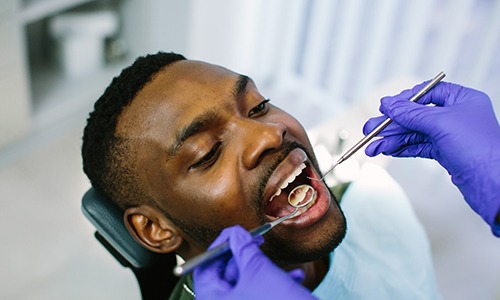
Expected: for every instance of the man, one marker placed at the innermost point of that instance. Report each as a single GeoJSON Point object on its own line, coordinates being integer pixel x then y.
{"type": "Point", "coordinates": [187, 149]}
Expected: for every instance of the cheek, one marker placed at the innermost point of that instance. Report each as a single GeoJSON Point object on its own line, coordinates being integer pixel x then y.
{"type": "Point", "coordinates": [215, 200]}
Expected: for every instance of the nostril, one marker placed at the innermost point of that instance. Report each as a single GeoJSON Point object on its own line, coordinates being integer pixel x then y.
{"type": "Point", "coordinates": [266, 153]}
{"type": "Point", "coordinates": [260, 139]}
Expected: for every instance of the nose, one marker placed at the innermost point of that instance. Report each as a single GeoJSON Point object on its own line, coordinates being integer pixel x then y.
{"type": "Point", "coordinates": [259, 139]}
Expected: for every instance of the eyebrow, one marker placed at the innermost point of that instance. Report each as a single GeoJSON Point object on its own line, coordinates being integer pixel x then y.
{"type": "Point", "coordinates": [241, 85]}
{"type": "Point", "coordinates": [199, 123]}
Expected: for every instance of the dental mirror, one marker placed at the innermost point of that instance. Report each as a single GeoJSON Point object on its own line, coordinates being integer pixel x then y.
{"type": "Point", "coordinates": [301, 196]}
{"type": "Point", "coordinates": [298, 198]}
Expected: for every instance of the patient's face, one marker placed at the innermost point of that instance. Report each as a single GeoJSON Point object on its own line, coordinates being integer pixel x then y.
{"type": "Point", "coordinates": [214, 152]}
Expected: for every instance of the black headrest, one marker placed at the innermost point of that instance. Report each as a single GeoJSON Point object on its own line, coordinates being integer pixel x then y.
{"type": "Point", "coordinates": [107, 217]}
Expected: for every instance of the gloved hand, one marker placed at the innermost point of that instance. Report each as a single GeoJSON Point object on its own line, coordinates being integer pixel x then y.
{"type": "Point", "coordinates": [248, 274]}
{"type": "Point", "coordinates": [460, 131]}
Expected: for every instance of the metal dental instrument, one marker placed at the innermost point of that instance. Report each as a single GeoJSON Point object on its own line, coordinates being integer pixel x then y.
{"type": "Point", "coordinates": [382, 125]}
{"type": "Point", "coordinates": [189, 265]}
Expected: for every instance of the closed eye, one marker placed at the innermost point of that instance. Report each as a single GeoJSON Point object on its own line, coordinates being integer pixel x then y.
{"type": "Point", "coordinates": [210, 158]}
{"type": "Point", "coordinates": [260, 109]}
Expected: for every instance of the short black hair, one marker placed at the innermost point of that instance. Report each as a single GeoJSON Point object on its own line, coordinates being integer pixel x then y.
{"type": "Point", "coordinates": [107, 159]}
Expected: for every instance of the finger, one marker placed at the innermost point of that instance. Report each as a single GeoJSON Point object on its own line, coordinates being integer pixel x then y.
{"type": "Point", "coordinates": [417, 150]}
{"type": "Point", "coordinates": [242, 236]}
{"type": "Point", "coordinates": [211, 275]}
{"type": "Point", "coordinates": [407, 94]}
{"type": "Point", "coordinates": [442, 94]}
{"type": "Point", "coordinates": [393, 145]}
{"type": "Point", "coordinates": [222, 238]}
{"type": "Point", "coordinates": [406, 151]}
{"type": "Point", "coordinates": [247, 253]}
{"type": "Point", "coordinates": [412, 116]}
{"type": "Point", "coordinates": [375, 148]}
{"type": "Point", "coordinates": [392, 129]}
{"type": "Point", "coordinates": [210, 270]}
{"type": "Point", "coordinates": [297, 275]}
{"type": "Point", "coordinates": [238, 238]}
{"type": "Point", "coordinates": [231, 272]}
{"type": "Point", "coordinates": [372, 123]}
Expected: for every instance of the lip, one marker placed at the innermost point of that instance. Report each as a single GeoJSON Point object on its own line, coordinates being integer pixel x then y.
{"type": "Point", "coordinates": [294, 159]}
{"type": "Point", "coordinates": [283, 171]}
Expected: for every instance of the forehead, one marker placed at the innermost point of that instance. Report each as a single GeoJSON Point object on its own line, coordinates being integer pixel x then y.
{"type": "Point", "coordinates": [176, 93]}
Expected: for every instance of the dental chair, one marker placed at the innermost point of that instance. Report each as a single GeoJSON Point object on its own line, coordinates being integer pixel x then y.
{"type": "Point", "coordinates": [153, 271]}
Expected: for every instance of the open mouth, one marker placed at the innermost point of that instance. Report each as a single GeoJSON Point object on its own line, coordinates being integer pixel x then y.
{"type": "Point", "coordinates": [298, 182]}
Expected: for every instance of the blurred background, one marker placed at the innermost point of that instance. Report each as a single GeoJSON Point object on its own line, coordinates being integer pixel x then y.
{"type": "Point", "coordinates": [327, 62]}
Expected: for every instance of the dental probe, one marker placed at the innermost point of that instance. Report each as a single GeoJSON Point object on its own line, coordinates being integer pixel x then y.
{"type": "Point", "coordinates": [223, 248]}
{"type": "Point", "coordinates": [382, 125]}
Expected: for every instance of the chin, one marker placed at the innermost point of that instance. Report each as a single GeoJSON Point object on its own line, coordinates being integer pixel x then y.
{"type": "Point", "coordinates": [312, 245]}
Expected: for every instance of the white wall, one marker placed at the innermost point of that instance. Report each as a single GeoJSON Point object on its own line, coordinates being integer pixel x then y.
{"type": "Point", "coordinates": [339, 51]}
{"type": "Point", "coordinates": [224, 32]}
{"type": "Point", "coordinates": [15, 110]}
{"type": "Point", "coordinates": [156, 25]}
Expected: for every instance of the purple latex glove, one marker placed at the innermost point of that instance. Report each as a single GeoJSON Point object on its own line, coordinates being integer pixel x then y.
{"type": "Point", "coordinates": [460, 131]}
{"type": "Point", "coordinates": [248, 274]}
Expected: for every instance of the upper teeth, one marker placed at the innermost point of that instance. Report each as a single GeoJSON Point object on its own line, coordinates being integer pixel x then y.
{"type": "Point", "coordinates": [290, 179]}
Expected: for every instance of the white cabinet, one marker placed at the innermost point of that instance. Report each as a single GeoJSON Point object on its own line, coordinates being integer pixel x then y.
{"type": "Point", "coordinates": [58, 95]}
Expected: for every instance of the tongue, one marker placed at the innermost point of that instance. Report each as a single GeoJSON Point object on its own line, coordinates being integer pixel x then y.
{"type": "Point", "coordinates": [279, 206]}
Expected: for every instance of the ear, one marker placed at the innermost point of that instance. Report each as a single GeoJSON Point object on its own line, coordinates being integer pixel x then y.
{"type": "Point", "coordinates": [152, 229]}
